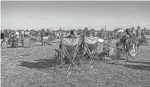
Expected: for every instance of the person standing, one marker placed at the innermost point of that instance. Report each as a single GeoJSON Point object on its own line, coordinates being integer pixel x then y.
{"type": "Point", "coordinates": [133, 31]}
{"type": "Point", "coordinates": [138, 32]}
{"type": "Point", "coordinates": [2, 38]}
{"type": "Point", "coordinates": [42, 35]}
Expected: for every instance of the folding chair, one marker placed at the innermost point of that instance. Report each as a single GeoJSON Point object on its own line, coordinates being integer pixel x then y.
{"type": "Point", "coordinates": [68, 49]}
{"type": "Point", "coordinates": [90, 47]}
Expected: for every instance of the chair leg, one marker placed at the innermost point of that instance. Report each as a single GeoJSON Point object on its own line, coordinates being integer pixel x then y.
{"type": "Point", "coordinates": [72, 63]}
{"type": "Point", "coordinates": [96, 63]}
{"type": "Point", "coordinates": [127, 56]}
{"type": "Point", "coordinates": [76, 66]}
{"type": "Point", "coordinates": [61, 65]}
{"type": "Point", "coordinates": [89, 64]}
{"type": "Point", "coordinates": [68, 70]}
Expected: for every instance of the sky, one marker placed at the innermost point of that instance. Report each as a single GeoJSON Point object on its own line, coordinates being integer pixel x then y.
{"type": "Point", "coordinates": [74, 14]}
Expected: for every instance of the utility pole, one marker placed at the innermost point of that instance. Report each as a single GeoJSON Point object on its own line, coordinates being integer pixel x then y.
{"type": "Point", "coordinates": [61, 32]}
{"type": "Point", "coordinates": [51, 28]}
{"type": "Point", "coordinates": [105, 31]}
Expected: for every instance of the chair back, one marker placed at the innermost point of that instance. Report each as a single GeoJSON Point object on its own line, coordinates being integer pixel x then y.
{"type": "Point", "coordinates": [70, 45]}
{"type": "Point", "coordinates": [91, 43]}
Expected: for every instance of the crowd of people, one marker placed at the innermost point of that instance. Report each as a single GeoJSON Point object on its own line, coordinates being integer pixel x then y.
{"type": "Point", "coordinates": [8, 34]}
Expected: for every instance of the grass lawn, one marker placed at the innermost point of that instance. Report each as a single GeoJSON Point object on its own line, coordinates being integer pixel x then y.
{"type": "Point", "coordinates": [33, 67]}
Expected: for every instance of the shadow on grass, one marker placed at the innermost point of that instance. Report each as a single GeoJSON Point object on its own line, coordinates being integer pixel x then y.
{"type": "Point", "coordinates": [139, 62]}
{"type": "Point", "coordinates": [136, 67]}
{"type": "Point", "coordinates": [121, 59]}
{"type": "Point", "coordinates": [25, 55]}
{"type": "Point", "coordinates": [103, 54]}
{"type": "Point", "coordinates": [39, 64]}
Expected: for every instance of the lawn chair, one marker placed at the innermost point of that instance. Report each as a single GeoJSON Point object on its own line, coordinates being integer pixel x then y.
{"type": "Point", "coordinates": [90, 47]}
{"type": "Point", "coordinates": [67, 53]}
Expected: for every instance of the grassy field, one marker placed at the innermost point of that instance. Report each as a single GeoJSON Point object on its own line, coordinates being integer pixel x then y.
{"type": "Point", "coordinates": [33, 67]}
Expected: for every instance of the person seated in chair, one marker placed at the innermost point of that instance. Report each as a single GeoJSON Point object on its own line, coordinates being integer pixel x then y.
{"type": "Point", "coordinates": [72, 35]}
{"type": "Point", "coordinates": [106, 49]}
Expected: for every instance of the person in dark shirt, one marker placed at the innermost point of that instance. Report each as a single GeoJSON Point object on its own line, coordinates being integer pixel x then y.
{"type": "Point", "coordinates": [42, 35]}
{"type": "Point", "coordinates": [124, 39]}
{"type": "Point", "coordinates": [72, 35]}
{"type": "Point", "coordinates": [138, 32]}
{"type": "Point", "coordinates": [2, 35]}
{"type": "Point", "coordinates": [2, 38]}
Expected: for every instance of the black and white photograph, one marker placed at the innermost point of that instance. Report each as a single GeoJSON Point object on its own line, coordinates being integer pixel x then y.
{"type": "Point", "coordinates": [75, 43]}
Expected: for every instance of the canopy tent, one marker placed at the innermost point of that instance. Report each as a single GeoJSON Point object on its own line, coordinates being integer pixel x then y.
{"type": "Point", "coordinates": [120, 30]}
{"type": "Point", "coordinates": [94, 39]}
